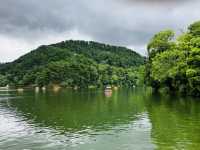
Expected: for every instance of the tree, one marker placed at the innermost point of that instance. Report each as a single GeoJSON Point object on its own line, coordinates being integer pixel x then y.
{"type": "Point", "coordinates": [3, 80]}
{"type": "Point", "coordinates": [161, 42]}
{"type": "Point", "coordinates": [74, 63]}
{"type": "Point", "coordinates": [175, 64]}
{"type": "Point", "coordinates": [194, 29]}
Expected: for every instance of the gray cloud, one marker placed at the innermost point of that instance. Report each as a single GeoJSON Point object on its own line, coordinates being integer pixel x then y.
{"type": "Point", "coordinates": [120, 22]}
{"type": "Point", "coordinates": [155, 1]}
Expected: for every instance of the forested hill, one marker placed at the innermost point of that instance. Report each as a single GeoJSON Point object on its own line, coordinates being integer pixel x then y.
{"type": "Point", "coordinates": [73, 63]}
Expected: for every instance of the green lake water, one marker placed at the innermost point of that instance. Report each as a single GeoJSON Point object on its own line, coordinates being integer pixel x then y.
{"type": "Point", "coordinates": [94, 120]}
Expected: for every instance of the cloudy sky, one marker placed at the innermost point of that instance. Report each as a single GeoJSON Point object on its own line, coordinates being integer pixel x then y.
{"type": "Point", "coordinates": [26, 24]}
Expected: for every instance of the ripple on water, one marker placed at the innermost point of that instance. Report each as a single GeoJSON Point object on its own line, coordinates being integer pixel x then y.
{"type": "Point", "coordinates": [128, 130]}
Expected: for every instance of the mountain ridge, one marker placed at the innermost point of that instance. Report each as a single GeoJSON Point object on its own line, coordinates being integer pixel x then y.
{"type": "Point", "coordinates": [67, 53]}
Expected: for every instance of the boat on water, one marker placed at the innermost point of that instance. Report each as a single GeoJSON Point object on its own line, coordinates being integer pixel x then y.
{"type": "Point", "coordinates": [5, 88]}
{"type": "Point", "coordinates": [108, 88]}
{"type": "Point", "coordinates": [20, 90]}
{"type": "Point", "coordinates": [108, 91]}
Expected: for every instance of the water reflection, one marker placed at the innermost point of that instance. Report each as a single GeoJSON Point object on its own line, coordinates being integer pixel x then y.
{"type": "Point", "coordinates": [77, 110]}
{"type": "Point", "coordinates": [108, 93]}
{"type": "Point", "coordinates": [84, 120]}
{"type": "Point", "coordinates": [76, 120]}
{"type": "Point", "coordinates": [175, 122]}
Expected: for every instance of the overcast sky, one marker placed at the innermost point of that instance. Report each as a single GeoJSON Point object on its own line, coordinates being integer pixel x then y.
{"type": "Point", "coordinates": [26, 24]}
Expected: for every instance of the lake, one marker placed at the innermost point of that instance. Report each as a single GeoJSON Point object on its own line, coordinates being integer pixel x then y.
{"type": "Point", "coordinates": [128, 119]}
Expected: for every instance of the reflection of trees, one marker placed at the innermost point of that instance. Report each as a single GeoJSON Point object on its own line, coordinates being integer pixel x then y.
{"type": "Point", "coordinates": [73, 110]}
{"type": "Point", "coordinates": [175, 122]}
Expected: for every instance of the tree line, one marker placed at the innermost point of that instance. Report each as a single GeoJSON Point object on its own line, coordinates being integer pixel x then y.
{"type": "Point", "coordinates": [173, 63]}
{"type": "Point", "coordinates": [75, 64]}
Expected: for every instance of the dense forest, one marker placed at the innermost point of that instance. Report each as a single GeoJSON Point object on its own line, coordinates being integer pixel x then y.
{"type": "Point", "coordinates": [173, 64]}
{"type": "Point", "coordinates": [75, 64]}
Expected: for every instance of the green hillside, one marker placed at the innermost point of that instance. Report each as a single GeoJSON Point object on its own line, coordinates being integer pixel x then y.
{"type": "Point", "coordinates": [74, 63]}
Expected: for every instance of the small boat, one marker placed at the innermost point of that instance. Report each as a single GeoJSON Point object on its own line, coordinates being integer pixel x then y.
{"type": "Point", "coordinates": [76, 88]}
{"type": "Point", "coordinates": [20, 90]}
{"type": "Point", "coordinates": [115, 88]}
{"type": "Point", "coordinates": [108, 88]}
{"type": "Point", "coordinates": [5, 88]}
{"type": "Point", "coordinates": [44, 88]}
{"type": "Point", "coordinates": [56, 88]}
{"type": "Point", "coordinates": [108, 91]}
{"type": "Point", "coordinates": [37, 89]}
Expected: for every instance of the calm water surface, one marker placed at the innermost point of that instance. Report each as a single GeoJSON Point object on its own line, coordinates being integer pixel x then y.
{"type": "Point", "coordinates": [94, 120]}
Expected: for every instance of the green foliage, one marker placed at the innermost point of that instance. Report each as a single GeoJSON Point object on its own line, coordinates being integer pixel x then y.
{"type": "Point", "coordinates": [3, 80]}
{"type": "Point", "coordinates": [177, 65]}
{"type": "Point", "coordinates": [194, 29]}
{"type": "Point", "coordinates": [160, 42]}
{"type": "Point", "coordinates": [75, 64]}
